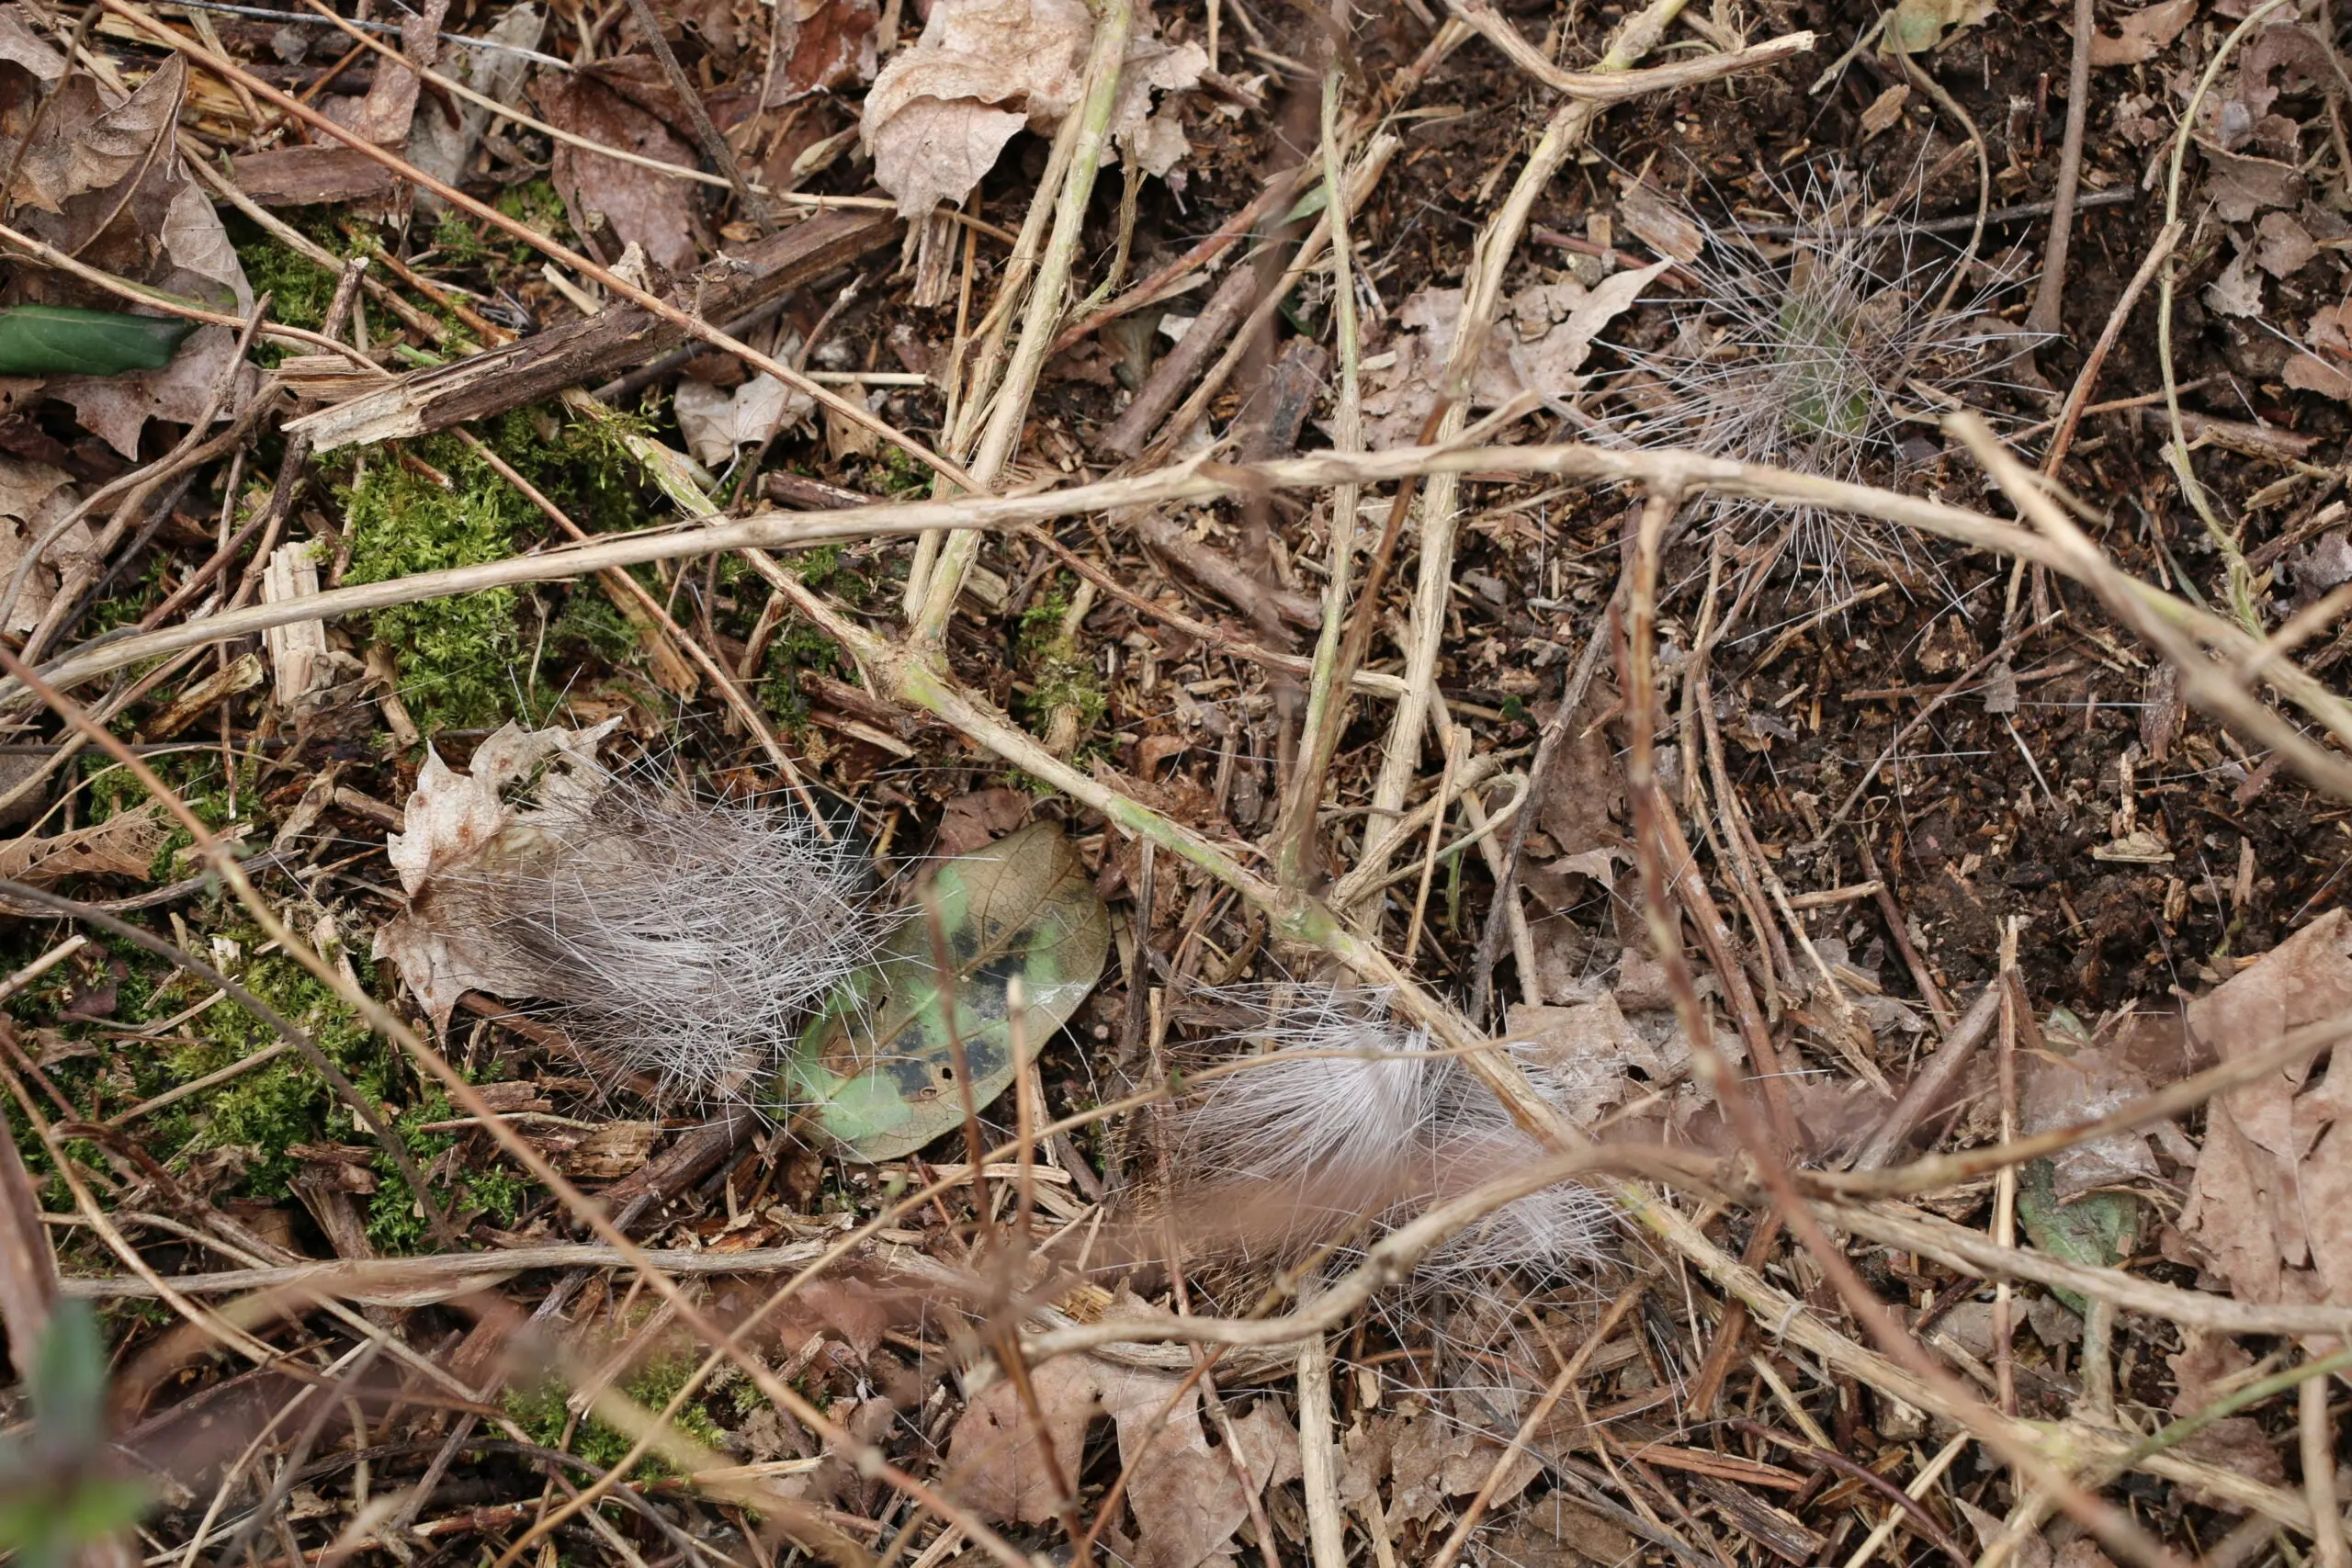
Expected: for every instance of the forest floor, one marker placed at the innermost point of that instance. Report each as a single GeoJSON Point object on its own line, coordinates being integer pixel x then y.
{"type": "Point", "coordinates": [1790, 562]}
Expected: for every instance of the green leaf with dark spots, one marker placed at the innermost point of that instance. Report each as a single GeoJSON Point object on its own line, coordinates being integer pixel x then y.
{"type": "Point", "coordinates": [877, 1071]}
{"type": "Point", "coordinates": [59, 340]}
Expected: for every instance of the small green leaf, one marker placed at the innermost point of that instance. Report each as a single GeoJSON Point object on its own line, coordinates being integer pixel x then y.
{"type": "Point", "coordinates": [1921, 24]}
{"type": "Point", "coordinates": [877, 1071]}
{"type": "Point", "coordinates": [59, 340]}
{"type": "Point", "coordinates": [68, 1382]}
{"type": "Point", "coordinates": [54, 1496]}
{"type": "Point", "coordinates": [2098, 1230]}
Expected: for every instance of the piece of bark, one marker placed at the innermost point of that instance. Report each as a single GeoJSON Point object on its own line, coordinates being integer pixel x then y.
{"type": "Point", "coordinates": [588, 352]}
{"type": "Point", "coordinates": [802, 493]}
{"type": "Point", "coordinates": [299, 176]}
{"type": "Point", "coordinates": [1182, 365]}
{"type": "Point", "coordinates": [1935, 1088]}
{"type": "Point", "coordinates": [1214, 570]}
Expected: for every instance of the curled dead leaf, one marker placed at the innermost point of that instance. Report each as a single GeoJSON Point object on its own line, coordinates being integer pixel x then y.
{"type": "Point", "coordinates": [2270, 1206]}
{"type": "Point", "coordinates": [653, 211]}
{"type": "Point", "coordinates": [34, 499]}
{"type": "Point", "coordinates": [1537, 349]}
{"type": "Point", "coordinates": [454, 818]}
{"type": "Point", "coordinates": [715, 423]}
{"type": "Point", "coordinates": [941, 112]}
{"type": "Point", "coordinates": [1185, 1495]}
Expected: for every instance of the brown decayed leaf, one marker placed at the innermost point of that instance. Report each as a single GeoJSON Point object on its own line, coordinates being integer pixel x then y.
{"type": "Point", "coordinates": [818, 44]}
{"type": "Point", "coordinates": [653, 211]}
{"type": "Point", "coordinates": [453, 819]}
{"type": "Point", "coordinates": [2139, 37]}
{"type": "Point", "coordinates": [442, 141]}
{"type": "Point", "coordinates": [384, 114]}
{"type": "Point", "coordinates": [1586, 1051]}
{"type": "Point", "coordinates": [2327, 367]}
{"type": "Point", "coordinates": [1183, 1494]}
{"type": "Point", "coordinates": [2240, 185]}
{"type": "Point", "coordinates": [1559, 1534]}
{"type": "Point", "coordinates": [970, 821]}
{"type": "Point", "coordinates": [2059, 1092]}
{"type": "Point", "coordinates": [21, 46]}
{"type": "Point", "coordinates": [2206, 1368]}
{"type": "Point", "coordinates": [715, 423]}
{"type": "Point", "coordinates": [33, 498]}
{"type": "Point", "coordinates": [1538, 348]}
{"type": "Point", "coordinates": [1433, 1455]}
{"type": "Point", "coordinates": [2248, 1210]}
{"type": "Point", "coordinates": [65, 162]}
{"type": "Point", "coordinates": [940, 112]}
{"type": "Point", "coordinates": [105, 183]}
{"type": "Point", "coordinates": [123, 845]}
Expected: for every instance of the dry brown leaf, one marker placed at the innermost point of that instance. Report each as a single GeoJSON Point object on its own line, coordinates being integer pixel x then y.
{"type": "Point", "coordinates": [2207, 1368]}
{"type": "Point", "coordinates": [123, 845]}
{"type": "Point", "coordinates": [652, 211]}
{"type": "Point", "coordinates": [1559, 1534]}
{"type": "Point", "coordinates": [2237, 291]}
{"type": "Point", "coordinates": [2282, 245]}
{"type": "Point", "coordinates": [940, 112]}
{"type": "Point", "coordinates": [453, 820]}
{"type": "Point", "coordinates": [715, 423]}
{"type": "Point", "coordinates": [1586, 1050]}
{"type": "Point", "coordinates": [816, 44]}
{"type": "Point", "coordinates": [384, 114]}
{"type": "Point", "coordinates": [1537, 348]}
{"type": "Point", "coordinates": [2249, 1211]}
{"type": "Point", "coordinates": [2241, 185]}
{"type": "Point", "coordinates": [141, 219]}
{"type": "Point", "coordinates": [2032, 1552]}
{"type": "Point", "coordinates": [2056, 1091]}
{"type": "Point", "coordinates": [34, 498]}
{"type": "Point", "coordinates": [1182, 1490]}
{"type": "Point", "coordinates": [2141, 34]}
{"type": "Point", "coordinates": [21, 46]}
{"type": "Point", "coordinates": [1435, 1455]}
{"type": "Point", "coordinates": [106, 146]}
{"type": "Point", "coordinates": [970, 821]}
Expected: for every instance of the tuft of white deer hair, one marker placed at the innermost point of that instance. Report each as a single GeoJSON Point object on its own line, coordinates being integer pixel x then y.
{"type": "Point", "coordinates": [1346, 1123]}
{"type": "Point", "coordinates": [683, 939]}
{"type": "Point", "coordinates": [1821, 354]}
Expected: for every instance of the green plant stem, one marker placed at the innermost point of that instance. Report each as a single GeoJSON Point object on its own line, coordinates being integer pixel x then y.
{"type": "Point", "coordinates": [968, 393]}
{"type": "Point", "coordinates": [1048, 297]}
{"type": "Point", "coordinates": [1328, 687]}
{"type": "Point", "coordinates": [1567, 131]}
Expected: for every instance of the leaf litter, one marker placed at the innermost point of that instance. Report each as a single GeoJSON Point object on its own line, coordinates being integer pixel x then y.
{"type": "Point", "coordinates": [2179, 894]}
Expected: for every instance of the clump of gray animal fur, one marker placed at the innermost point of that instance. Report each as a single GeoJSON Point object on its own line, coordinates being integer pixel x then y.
{"type": "Point", "coordinates": [1351, 1126]}
{"type": "Point", "coordinates": [683, 939]}
{"type": "Point", "coordinates": [1809, 353]}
